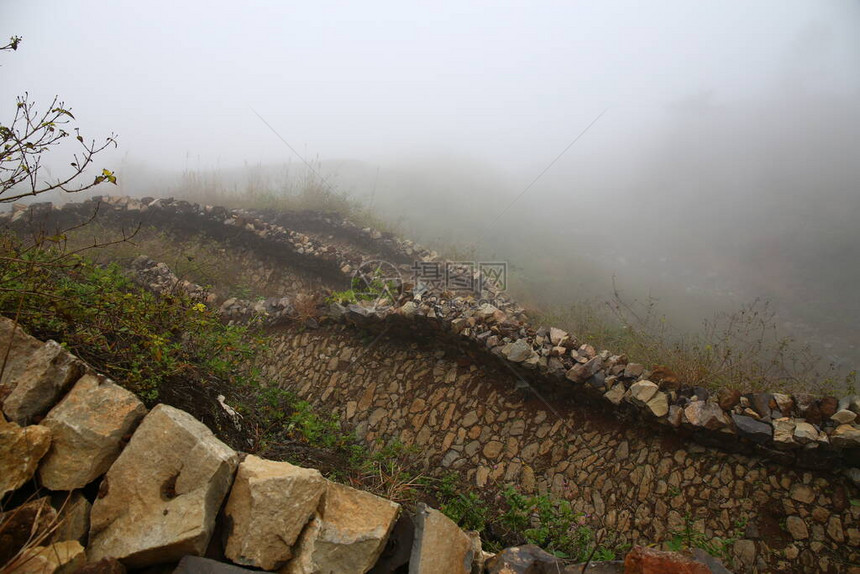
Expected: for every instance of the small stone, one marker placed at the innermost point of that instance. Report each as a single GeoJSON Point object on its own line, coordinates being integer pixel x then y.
{"type": "Point", "coordinates": [470, 419]}
{"type": "Point", "coordinates": [558, 337]}
{"type": "Point", "coordinates": [834, 529]}
{"type": "Point", "coordinates": [783, 432]}
{"type": "Point", "coordinates": [797, 528]}
{"type": "Point", "coordinates": [828, 406]}
{"type": "Point", "coordinates": [74, 518]}
{"type": "Point", "coordinates": [641, 392]}
{"type": "Point", "coordinates": [845, 436]}
{"type": "Point", "coordinates": [658, 405]}
{"type": "Point", "coordinates": [752, 429]}
{"type": "Point", "coordinates": [705, 415]}
{"type": "Point", "coordinates": [634, 370]}
{"type": "Point", "coordinates": [581, 372]}
{"type": "Point", "coordinates": [486, 311]}
{"type": "Point", "coordinates": [481, 476]}
{"type": "Point", "coordinates": [527, 480]}
{"type": "Point", "coordinates": [805, 433]}
{"type": "Point", "coordinates": [21, 449]}
{"type": "Point", "coordinates": [616, 394]}
{"type": "Point", "coordinates": [728, 398]}
{"type": "Point", "coordinates": [518, 351]}
{"type": "Point", "coordinates": [802, 493]}
{"type": "Point", "coordinates": [844, 417]}
{"type": "Point", "coordinates": [744, 552]}
{"type": "Point", "coordinates": [761, 404]}
{"type": "Point", "coordinates": [518, 427]}
{"type": "Point", "coordinates": [784, 403]}
{"type": "Point", "coordinates": [493, 449]}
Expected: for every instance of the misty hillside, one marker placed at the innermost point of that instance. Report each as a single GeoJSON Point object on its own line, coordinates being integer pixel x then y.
{"type": "Point", "coordinates": [691, 161]}
{"type": "Point", "coordinates": [402, 288]}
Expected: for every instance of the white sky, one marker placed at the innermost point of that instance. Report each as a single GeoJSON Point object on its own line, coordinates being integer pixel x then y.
{"type": "Point", "coordinates": [502, 82]}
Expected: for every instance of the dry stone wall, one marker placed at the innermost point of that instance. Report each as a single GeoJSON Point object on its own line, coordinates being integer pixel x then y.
{"type": "Point", "coordinates": [161, 498]}
{"type": "Point", "coordinates": [801, 430]}
{"type": "Point", "coordinates": [483, 393]}
{"type": "Point", "coordinates": [643, 483]}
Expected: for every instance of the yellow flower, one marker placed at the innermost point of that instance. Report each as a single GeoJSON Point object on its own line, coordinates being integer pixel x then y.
{"type": "Point", "coordinates": [199, 307]}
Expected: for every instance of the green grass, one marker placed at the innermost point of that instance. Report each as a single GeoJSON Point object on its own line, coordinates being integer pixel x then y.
{"type": "Point", "coordinates": [688, 538]}
{"type": "Point", "coordinates": [124, 331]}
{"type": "Point", "coordinates": [516, 518]}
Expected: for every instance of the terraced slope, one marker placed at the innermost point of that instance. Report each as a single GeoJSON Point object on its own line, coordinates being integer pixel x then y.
{"type": "Point", "coordinates": [481, 391]}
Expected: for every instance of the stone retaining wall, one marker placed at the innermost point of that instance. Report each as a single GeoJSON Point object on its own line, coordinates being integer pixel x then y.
{"type": "Point", "coordinates": [469, 416]}
{"type": "Point", "coordinates": [799, 430]}
{"type": "Point", "coordinates": [168, 490]}
{"type": "Point", "coordinates": [460, 378]}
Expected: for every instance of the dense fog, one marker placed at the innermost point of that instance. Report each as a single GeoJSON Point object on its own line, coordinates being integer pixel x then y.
{"type": "Point", "coordinates": [704, 154]}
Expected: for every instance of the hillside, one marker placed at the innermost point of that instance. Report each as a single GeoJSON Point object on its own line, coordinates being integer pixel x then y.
{"type": "Point", "coordinates": [471, 387]}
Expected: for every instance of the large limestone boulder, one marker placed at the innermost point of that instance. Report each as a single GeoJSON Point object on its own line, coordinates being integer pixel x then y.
{"type": "Point", "coordinates": [22, 348]}
{"type": "Point", "coordinates": [159, 500]}
{"type": "Point", "coordinates": [440, 545]}
{"type": "Point", "coordinates": [48, 373]}
{"type": "Point", "coordinates": [21, 449]}
{"type": "Point", "coordinates": [87, 427]}
{"type": "Point", "coordinates": [269, 505]}
{"type": "Point", "coordinates": [347, 535]}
